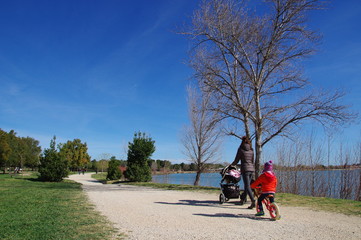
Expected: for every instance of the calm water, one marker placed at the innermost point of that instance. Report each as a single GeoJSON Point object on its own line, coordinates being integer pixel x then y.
{"type": "Point", "coordinates": [336, 177]}
{"type": "Point", "coordinates": [207, 179]}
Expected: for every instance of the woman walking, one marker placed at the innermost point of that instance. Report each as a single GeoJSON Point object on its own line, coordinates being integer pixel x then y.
{"type": "Point", "coordinates": [246, 156]}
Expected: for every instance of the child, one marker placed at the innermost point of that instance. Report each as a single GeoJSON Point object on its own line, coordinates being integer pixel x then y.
{"type": "Point", "coordinates": [268, 182]}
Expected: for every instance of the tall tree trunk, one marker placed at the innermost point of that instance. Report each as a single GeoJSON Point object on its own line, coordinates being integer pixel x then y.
{"type": "Point", "coordinates": [258, 152]}
{"type": "Point", "coordinates": [198, 177]}
{"type": "Point", "coordinates": [358, 196]}
{"type": "Point", "coordinates": [246, 126]}
{"type": "Point", "coordinates": [258, 130]}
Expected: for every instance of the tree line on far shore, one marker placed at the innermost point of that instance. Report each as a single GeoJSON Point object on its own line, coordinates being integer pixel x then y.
{"type": "Point", "coordinates": [156, 166]}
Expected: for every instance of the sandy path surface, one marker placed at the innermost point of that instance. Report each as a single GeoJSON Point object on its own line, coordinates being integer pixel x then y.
{"type": "Point", "coordinates": [146, 213]}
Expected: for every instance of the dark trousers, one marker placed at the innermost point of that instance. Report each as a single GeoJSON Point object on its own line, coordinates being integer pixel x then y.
{"type": "Point", "coordinates": [262, 197]}
{"type": "Point", "coordinates": [247, 177]}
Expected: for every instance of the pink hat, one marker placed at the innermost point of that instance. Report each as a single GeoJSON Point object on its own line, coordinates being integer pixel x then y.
{"type": "Point", "coordinates": [268, 166]}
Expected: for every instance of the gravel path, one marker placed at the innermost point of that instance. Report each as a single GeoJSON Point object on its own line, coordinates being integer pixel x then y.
{"type": "Point", "coordinates": [147, 213]}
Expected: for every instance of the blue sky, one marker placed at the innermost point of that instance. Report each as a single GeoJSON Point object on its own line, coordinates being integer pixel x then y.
{"type": "Point", "coordinates": [102, 70]}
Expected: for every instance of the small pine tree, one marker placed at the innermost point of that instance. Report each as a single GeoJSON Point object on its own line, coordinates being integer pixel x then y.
{"type": "Point", "coordinates": [53, 167]}
{"type": "Point", "coordinates": [114, 172]}
{"type": "Point", "coordinates": [139, 153]}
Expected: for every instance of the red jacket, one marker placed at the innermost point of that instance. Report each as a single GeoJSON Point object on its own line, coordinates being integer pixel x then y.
{"type": "Point", "coordinates": [268, 182]}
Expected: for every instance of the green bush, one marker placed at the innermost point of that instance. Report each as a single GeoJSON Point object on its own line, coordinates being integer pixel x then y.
{"type": "Point", "coordinates": [139, 152]}
{"type": "Point", "coordinates": [114, 172]}
{"type": "Point", "coordinates": [53, 167]}
{"type": "Point", "coordinates": [139, 173]}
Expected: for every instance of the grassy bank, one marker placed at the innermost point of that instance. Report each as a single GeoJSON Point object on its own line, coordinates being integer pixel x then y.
{"type": "Point", "coordinates": [343, 206]}
{"type": "Point", "coordinates": [101, 177]}
{"type": "Point", "coordinates": [30, 209]}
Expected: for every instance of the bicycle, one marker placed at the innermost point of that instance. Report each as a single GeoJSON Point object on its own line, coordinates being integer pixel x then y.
{"type": "Point", "coordinates": [272, 207]}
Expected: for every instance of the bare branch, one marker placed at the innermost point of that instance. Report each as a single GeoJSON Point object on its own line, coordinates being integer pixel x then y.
{"type": "Point", "coordinates": [250, 64]}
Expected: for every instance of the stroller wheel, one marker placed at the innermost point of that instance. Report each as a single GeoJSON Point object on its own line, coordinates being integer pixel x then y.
{"type": "Point", "coordinates": [222, 198]}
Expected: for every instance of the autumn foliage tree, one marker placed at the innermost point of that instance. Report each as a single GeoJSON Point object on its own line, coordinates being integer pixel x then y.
{"type": "Point", "coordinates": [76, 153]}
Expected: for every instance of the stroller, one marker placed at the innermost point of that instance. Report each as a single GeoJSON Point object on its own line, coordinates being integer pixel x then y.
{"type": "Point", "coordinates": [230, 189]}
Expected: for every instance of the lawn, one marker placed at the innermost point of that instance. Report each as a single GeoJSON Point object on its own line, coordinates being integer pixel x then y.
{"type": "Point", "coordinates": [344, 206]}
{"type": "Point", "coordinates": [30, 209]}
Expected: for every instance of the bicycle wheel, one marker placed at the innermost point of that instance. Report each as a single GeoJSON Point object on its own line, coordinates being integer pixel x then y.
{"type": "Point", "coordinates": [274, 211]}
{"type": "Point", "coordinates": [222, 198]}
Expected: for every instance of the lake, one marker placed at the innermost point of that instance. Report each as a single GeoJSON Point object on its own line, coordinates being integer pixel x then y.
{"type": "Point", "coordinates": [207, 179]}
{"type": "Point", "coordinates": [329, 183]}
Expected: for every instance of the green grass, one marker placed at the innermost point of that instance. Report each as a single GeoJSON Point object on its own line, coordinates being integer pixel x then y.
{"type": "Point", "coordinates": [178, 187]}
{"type": "Point", "coordinates": [343, 206]}
{"type": "Point", "coordinates": [101, 177]}
{"type": "Point", "coordinates": [30, 209]}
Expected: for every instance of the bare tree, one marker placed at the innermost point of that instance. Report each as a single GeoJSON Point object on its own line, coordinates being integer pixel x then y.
{"type": "Point", "coordinates": [358, 157]}
{"type": "Point", "coordinates": [103, 161]}
{"type": "Point", "coordinates": [251, 64]}
{"type": "Point", "coordinates": [291, 157]}
{"type": "Point", "coordinates": [346, 179]}
{"type": "Point", "coordinates": [201, 139]}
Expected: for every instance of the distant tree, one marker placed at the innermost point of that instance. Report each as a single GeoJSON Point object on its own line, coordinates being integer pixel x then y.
{"type": "Point", "coordinates": [32, 152]}
{"type": "Point", "coordinates": [103, 165]}
{"type": "Point", "coordinates": [176, 167]}
{"type": "Point", "coordinates": [192, 167]}
{"type": "Point", "coordinates": [358, 152]}
{"type": "Point", "coordinates": [94, 165]}
{"type": "Point", "coordinates": [166, 165]}
{"type": "Point", "coordinates": [21, 152]}
{"type": "Point", "coordinates": [201, 140]}
{"type": "Point", "coordinates": [139, 153]}
{"type": "Point", "coordinates": [184, 166]}
{"type": "Point", "coordinates": [5, 150]}
{"type": "Point", "coordinates": [18, 152]}
{"type": "Point", "coordinates": [153, 165]}
{"type": "Point", "coordinates": [53, 167]}
{"type": "Point", "coordinates": [76, 153]}
{"type": "Point", "coordinates": [114, 172]}
{"type": "Point", "coordinates": [161, 165]}
{"type": "Point", "coordinates": [16, 149]}
{"type": "Point", "coordinates": [103, 162]}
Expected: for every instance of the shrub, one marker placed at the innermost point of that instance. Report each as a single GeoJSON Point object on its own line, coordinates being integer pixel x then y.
{"type": "Point", "coordinates": [139, 173]}
{"type": "Point", "coordinates": [53, 167]}
{"type": "Point", "coordinates": [114, 172]}
{"type": "Point", "coordinates": [139, 153]}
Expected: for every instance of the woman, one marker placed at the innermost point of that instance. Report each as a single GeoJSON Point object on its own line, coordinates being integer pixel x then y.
{"type": "Point", "coordinates": [245, 155]}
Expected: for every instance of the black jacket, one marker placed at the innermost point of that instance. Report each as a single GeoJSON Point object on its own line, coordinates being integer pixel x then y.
{"type": "Point", "coordinates": [246, 156]}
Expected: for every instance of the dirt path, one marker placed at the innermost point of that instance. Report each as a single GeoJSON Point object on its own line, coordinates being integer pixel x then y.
{"type": "Point", "coordinates": [146, 213]}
